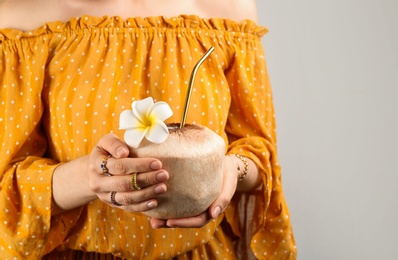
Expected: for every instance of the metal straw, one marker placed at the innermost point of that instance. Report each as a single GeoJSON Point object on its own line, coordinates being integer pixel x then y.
{"type": "Point", "coordinates": [190, 84]}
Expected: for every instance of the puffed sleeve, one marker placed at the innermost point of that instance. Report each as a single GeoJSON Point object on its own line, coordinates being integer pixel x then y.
{"type": "Point", "coordinates": [263, 216]}
{"type": "Point", "coordinates": [27, 229]}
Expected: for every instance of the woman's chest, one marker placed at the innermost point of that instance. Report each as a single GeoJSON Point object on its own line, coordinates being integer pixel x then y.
{"type": "Point", "coordinates": [29, 15]}
{"type": "Point", "coordinates": [91, 80]}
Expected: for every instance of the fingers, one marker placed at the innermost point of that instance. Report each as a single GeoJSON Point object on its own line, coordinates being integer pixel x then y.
{"type": "Point", "coordinates": [124, 183]}
{"type": "Point", "coordinates": [131, 184]}
{"type": "Point", "coordinates": [102, 165]}
{"type": "Point", "coordinates": [137, 207]}
{"type": "Point", "coordinates": [192, 222]}
{"type": "Point", "coordinates": [227, 191]}
{"type": "Point", "coordinates": [215, 209]}
{"type": "Point", "coordinates": [112, 145]}
{"type": "Point", "coordinates": [218, 206]}
{"type": "Point", "coordinates": [118, 163]}
{"type": "Point", "coordinates": [135, 201]}
{"type": "Point", "coordinates": [128, 165]}
{"type": "Point", "coordinates": [158, 223]}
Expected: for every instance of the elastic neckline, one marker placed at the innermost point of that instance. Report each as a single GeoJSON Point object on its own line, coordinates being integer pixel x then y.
{"type": "Point", "coordinates": [182, 21]}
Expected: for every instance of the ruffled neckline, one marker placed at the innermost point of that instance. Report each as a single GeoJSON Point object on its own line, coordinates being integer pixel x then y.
{"type": "Point", "coordinates": [182, 21]}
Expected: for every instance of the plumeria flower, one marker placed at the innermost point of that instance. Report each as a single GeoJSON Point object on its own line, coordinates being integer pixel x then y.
{"type": "Point", "coordinates": [146, 119]}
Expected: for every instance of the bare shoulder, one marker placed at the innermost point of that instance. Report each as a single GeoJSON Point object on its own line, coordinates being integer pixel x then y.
{"type": "Point", "coordinates": [23, 14]}
{"type": "Point", "coordinates": [4, 6]}
{"type": "Point", "coordinates": [31, 14]}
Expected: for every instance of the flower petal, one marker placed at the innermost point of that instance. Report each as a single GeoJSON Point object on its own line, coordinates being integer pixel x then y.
{"type": "Point", "coordinates": [161, 110]}
{"type": "Point", "coordinates": [142, 107]}
{"type": "Point", "coordinates": [128, 120]}
{"type": "Point", "coordinates": [134, 137]}
{"type": "Point", "coordinates": [145, 120]}
{"type": "Point", "coordinates": [157, 133]}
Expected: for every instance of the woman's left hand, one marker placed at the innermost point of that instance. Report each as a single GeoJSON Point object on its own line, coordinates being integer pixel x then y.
{"type": "Point", "coordinates": [218, 206]}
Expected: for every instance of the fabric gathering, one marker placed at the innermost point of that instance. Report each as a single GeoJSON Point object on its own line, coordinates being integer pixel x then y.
{"type": "Point", "coordinates": [63, 86]}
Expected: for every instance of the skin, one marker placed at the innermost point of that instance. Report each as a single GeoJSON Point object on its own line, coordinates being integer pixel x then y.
{"type": "Point", "coordinates": [80, 181]}
{"type": "Point", "coordinates": [30, 14]}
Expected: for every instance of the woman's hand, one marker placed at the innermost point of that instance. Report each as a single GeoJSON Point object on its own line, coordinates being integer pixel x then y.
{"type": "Point", "coordinates": [218, 206]}
{"type": "Point", "coordinates": [82, 180]}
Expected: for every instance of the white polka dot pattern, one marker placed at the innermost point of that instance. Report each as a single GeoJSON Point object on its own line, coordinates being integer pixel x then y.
{"type": "Point", "coordinates": [63, 87]}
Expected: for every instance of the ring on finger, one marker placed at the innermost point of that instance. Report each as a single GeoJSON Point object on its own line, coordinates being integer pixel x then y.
{"type": "Point", "coordinates": [113, 200]}
{"type": "Point", "coordinates": [134, 181]}
{"type": "Point", "coordinates": [104, 162]}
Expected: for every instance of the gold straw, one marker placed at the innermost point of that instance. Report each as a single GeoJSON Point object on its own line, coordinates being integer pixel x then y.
{"type": "Point", "coordinates": [190, 84]}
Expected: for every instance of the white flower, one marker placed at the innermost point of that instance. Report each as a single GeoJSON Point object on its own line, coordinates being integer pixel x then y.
{"type": "Point", "coordinates": [145, 120]}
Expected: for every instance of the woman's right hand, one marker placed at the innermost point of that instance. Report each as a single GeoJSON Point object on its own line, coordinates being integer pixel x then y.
{"type": "Point", "coordinates": [82, 180]}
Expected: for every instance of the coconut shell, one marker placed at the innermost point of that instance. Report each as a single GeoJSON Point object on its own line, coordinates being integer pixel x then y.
{"type": "Point", "coordinates": [193, 156]}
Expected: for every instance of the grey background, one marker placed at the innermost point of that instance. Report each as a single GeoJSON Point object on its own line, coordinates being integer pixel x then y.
{"type": "Point", "coordinates": [334, 71]}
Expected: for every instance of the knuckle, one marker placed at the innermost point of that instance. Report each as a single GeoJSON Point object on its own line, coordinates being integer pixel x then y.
{"type": "Point", "coordinates": [113, 139]}
{"type": "Point", "coordinates": [135, 208]}
{"type": "Point", "coordinates": [123, 185]}
{"type": "Point", "coordinates": [126, 200]}
{"type": "Point", "coordinates": [93, 167]}
{"type": "Point", "coordinates": [119, 166]}
{"type": "Point", "coordinates": [224, 201]}
{"type": "Point", "coordinates": [94, 186]}
{"type": "Point", "coordinates": [142, 165]}
{"type": "Point", "coordinates": [104, 140]}
{"type": "Point", "coordinates": [146, 194]}
{"type": "Point", "coordinates": [204, 221]}
{"type": "Point", "coordinates": [145, 182]}
{"type": "Point", "coordinates": [109, 142]}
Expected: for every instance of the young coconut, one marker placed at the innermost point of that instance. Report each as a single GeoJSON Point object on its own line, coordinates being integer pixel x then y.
{"type": "Point", "coordinates": [193, 156]}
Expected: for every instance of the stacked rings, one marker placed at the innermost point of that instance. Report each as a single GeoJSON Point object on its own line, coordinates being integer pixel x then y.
{"type": "Point", "coordinates": [104, 169]}
{"type": "Point", "coordinates": [134, 181]}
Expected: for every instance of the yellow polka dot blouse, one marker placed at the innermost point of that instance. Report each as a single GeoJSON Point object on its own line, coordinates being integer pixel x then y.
{"type": "Point", "coordinates": [63, 86]}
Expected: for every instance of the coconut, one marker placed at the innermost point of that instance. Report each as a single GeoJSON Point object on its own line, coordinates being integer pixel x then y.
{"type": "Point", "coordinates": [193, 156]}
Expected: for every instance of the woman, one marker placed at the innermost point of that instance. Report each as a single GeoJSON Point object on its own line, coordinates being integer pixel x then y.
{"type": "Point", "coordinates": [67, 70]}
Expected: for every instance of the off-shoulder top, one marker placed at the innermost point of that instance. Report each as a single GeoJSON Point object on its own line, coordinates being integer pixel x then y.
{"type": "Point", "coordinates": [63, 86]}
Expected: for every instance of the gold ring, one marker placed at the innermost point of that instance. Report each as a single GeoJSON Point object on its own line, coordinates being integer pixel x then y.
{"type": "Point", "coordinates": [114, 202]}
{"type": "Point", "coordinates": [134, 181]}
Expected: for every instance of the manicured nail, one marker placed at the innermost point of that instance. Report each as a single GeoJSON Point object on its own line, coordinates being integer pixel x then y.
{"type": "Point", "coordinates": [151, 204]}
{"type": "Point", "coordinates": [159, 189]}
{"type": "Point", "coordinates": [216, 212]}
{"type": "Point", "coordinates": [162, 176]}
{"type": "Point", "coordinates": [156, 165]}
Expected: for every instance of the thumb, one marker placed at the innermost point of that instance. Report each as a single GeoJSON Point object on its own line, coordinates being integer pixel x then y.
{"type": "Point", "coordinates": [227, 192]}
{"type": "Point", "coordinates": [113, 145]}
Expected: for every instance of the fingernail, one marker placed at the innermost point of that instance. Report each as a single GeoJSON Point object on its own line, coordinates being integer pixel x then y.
{"type": "Point", "coordinates": [159, 189]}
{"type": "Point", "coordinates": [162, 176]}
{"type": "Point", "coordinates": [156, 165]}
{"type": "Point", "coordinates": [170, 224]}
{"type": "Point", "coordinates": [155, 226]}
{"type": "Point", "coordinates": [120, 151]}
{"type": "Point", "coordinates": [216, 212]}
{"type": "Point", "coordinates": [151, 204]}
